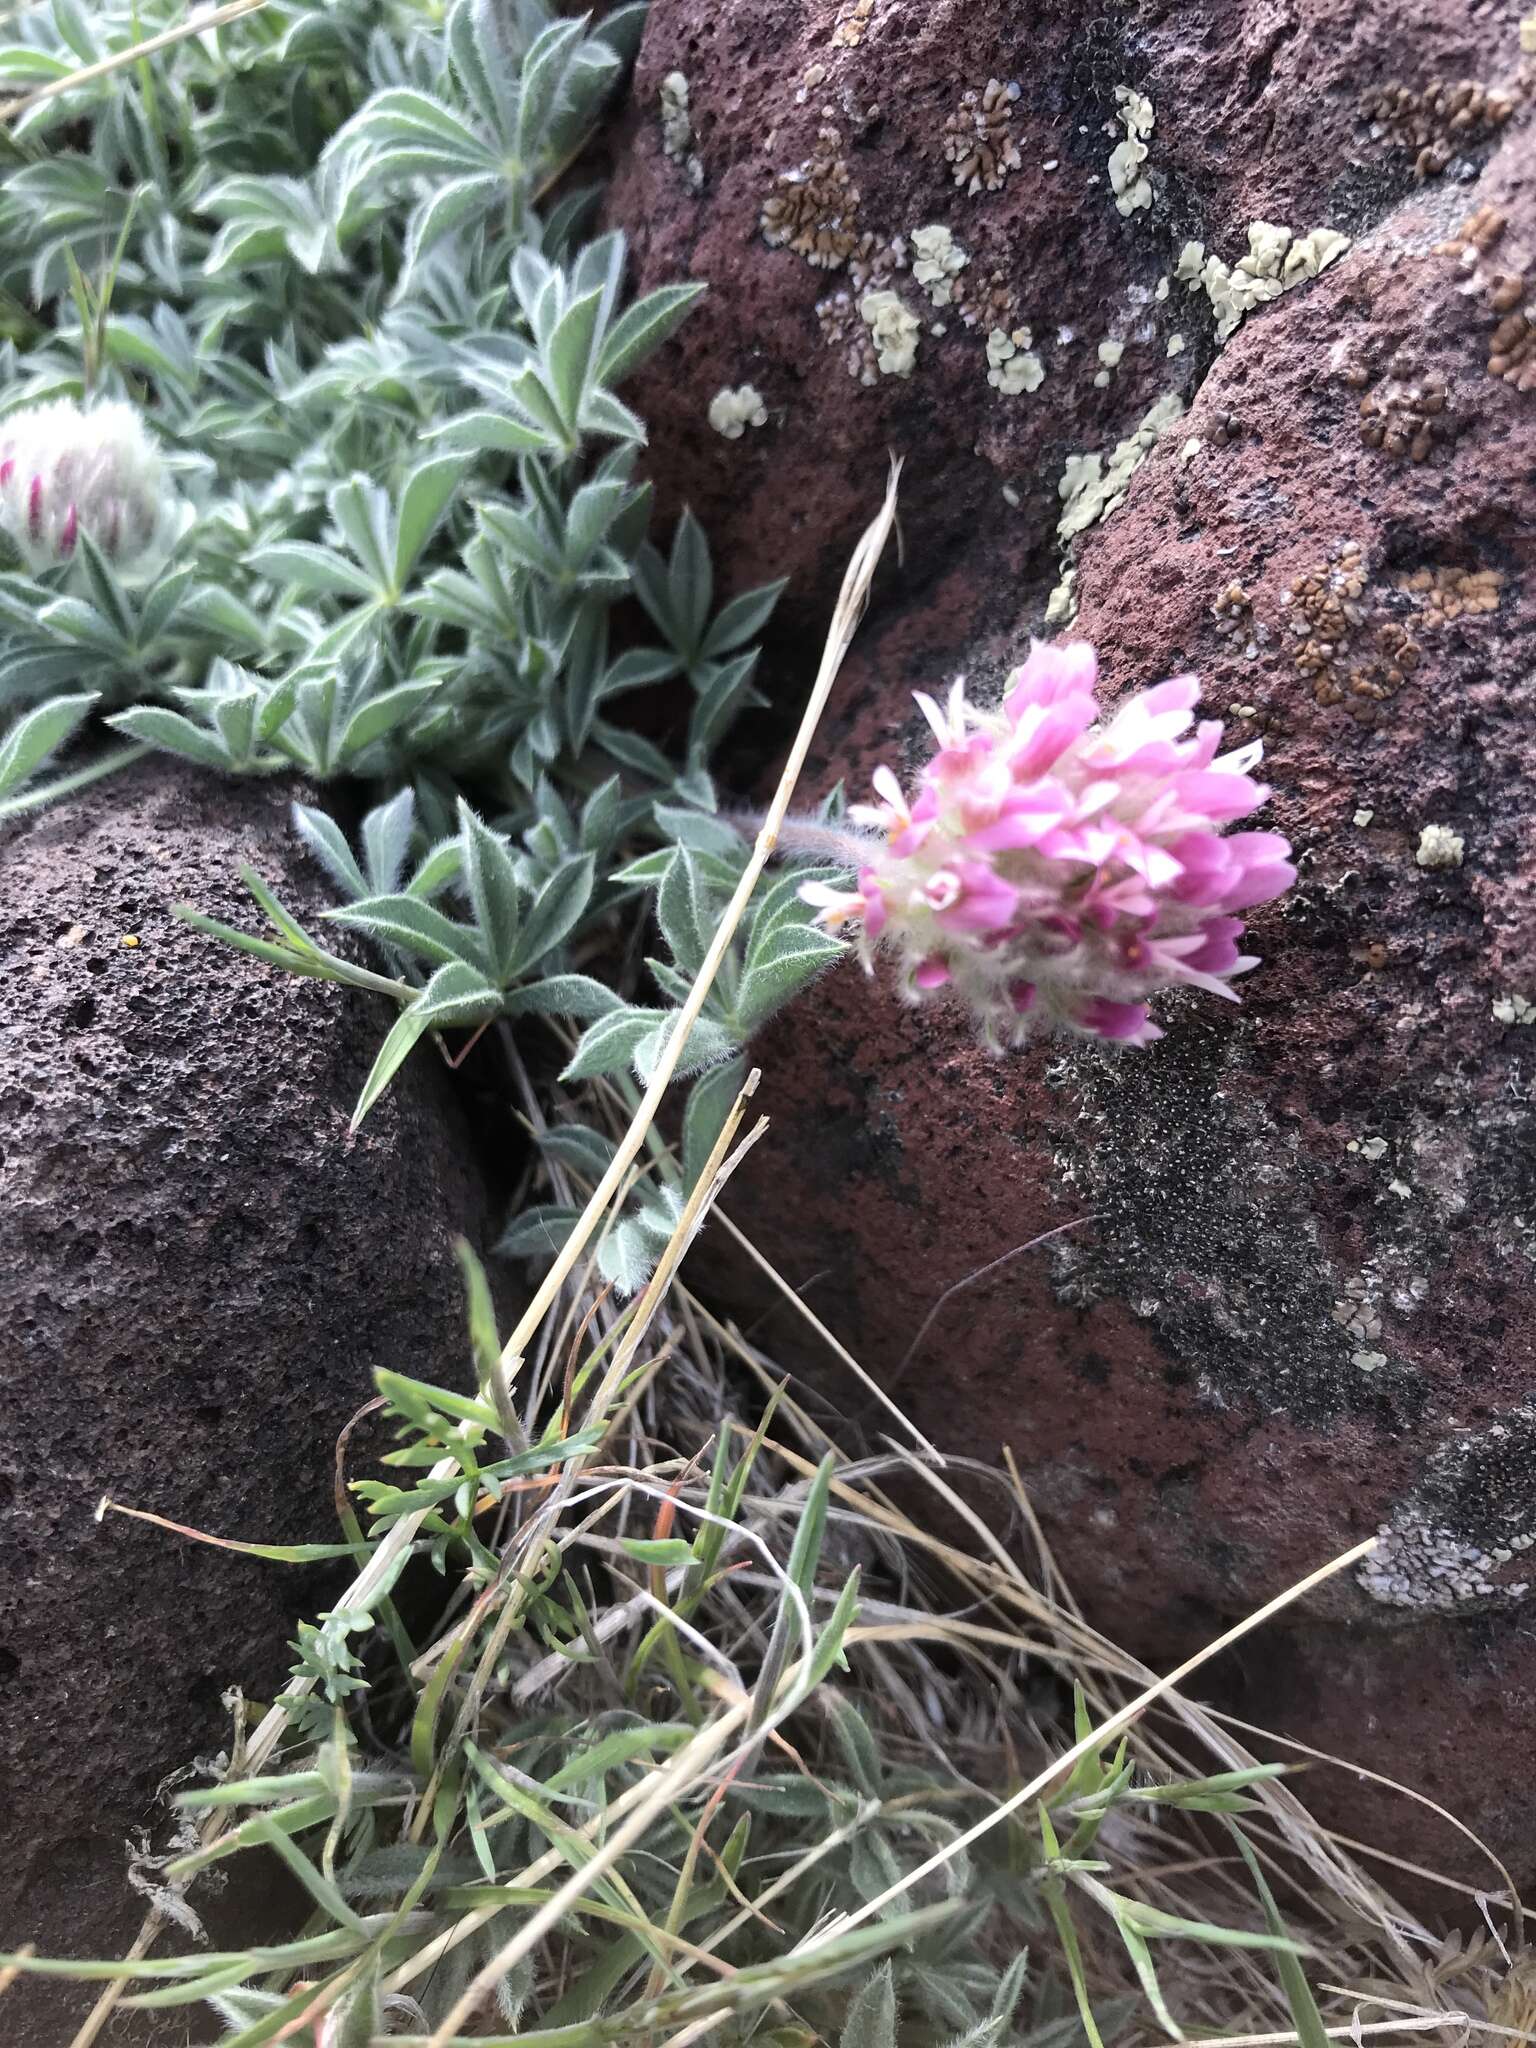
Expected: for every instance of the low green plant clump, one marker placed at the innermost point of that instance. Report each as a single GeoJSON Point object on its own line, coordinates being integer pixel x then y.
{"type": "Point", "coordinates": [313, 462]}
{"type": "Point", "coordinates": [385, 508]}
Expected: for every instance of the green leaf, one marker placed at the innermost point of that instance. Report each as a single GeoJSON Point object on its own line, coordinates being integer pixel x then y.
{"type": "Point", "coordinates": [362, 514]}
{"type": "Point", "coordinates": [805, 1552]}
{"type": "Point", "coordinates": [690, 578]}
{"type": "Point", "coordinates": [626, 1255]}
{"type": "Point", "coordinates": [589, 1152]}
{"type": "Point", "coordinates": [708, 1043]}
{"type": "Point", "coordinates": [709, 1104]}
{"type": "Point", "coordinates": [37, 734]}
{"type": "Point", "coordinates": [387, 833]}
{"type": "Point", "coordinates": [413, 926]}
{"type": "Point", "coordinates": [453, 206]}
{"type": "Point", "coordinates": [829, 1644]}
{"type": "Point", "coordinates": [607, 1046]}
{"type": "Point", "coordinates": [700, 832]}
{"type": "Point", "coordinates": [538, 1232]}
{"type": "Point", "coordinates": [871, 2020]}
{"type": "Point", "coordinates": [564, 995]}
{"type": "Point", "coordinates": [480, 1309]}
{"type": "Point", "coordinates": [263, 949]}
{"type": "Point", "coordinates": [742, 619]}
{"type": "Point", "coordinates": [321, 1890]}
{"type": "Point", "coordinates": [643, 328]}
{"type": "Point", "coordinates": [568, 357]}
{"type": "Point", "coordinates": [172, 734]}
{"type": "Point", "coordinates": [423, 502]}
{"type": "Point", "coordinates": [317, 571]}
{"type": "Point", "coordinates": [456, 994]}
{"type": "Point", "coordinates": [423, 1403]}
{"type": "Point", "coordinates": [793, 956]}
{"type": "Point", "coordinates": [326, 841]}
{"type": "Point", "coordinates": [1305, 2017]}
{"type": "Point", "coordinates": [555, 911]}
{"type": "Point", "coordinates": [684, 913]}
{"type": "Point", "coordinates": [411, 134]}
{"type": "Point", "coordinates": [494, 893]}
{"type": "Point", "coordinates": [667, 1551]}
{"type": "Point", "coordinates": [485, 433]}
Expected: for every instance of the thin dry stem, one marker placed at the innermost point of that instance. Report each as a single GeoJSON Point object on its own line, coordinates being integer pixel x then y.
{"type": "Point", "coordinates": [194, 25]}
{"type": "Point", "coordinates": [845, 619]}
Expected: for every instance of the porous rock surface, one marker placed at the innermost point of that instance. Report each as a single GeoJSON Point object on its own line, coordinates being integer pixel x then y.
{"type": "Point", "coordinates": [199, 1270]}
{"type": "Point", "coordinates": [1297, 1305]}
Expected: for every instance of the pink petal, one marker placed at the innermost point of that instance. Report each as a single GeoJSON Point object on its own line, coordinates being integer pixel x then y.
{"type": "Point", "coordinates": [933, 714]}
{"type": "Point", "coordinates": [876, 911]}
{"type": "Point", "coordinates": [1050, 674]}
{"type": "Point", "coordinates": [1128, 1023]}
{"type": "Point", "coordinates": [1047, 730]}
{"type": "Point", "coordinates": [885, 785]}
{"type": "Point", "coordinates": [1263, 869]}
{"type": "Point", "coordinates": [930, 973]}
{"type": "Point", "coordinates": [1219, 795]}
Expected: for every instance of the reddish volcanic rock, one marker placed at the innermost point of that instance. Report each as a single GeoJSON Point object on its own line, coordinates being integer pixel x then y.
{"type": "Point", "coordinates": [1297, 1302]}
{"type": "Point", "coordinates": [1257, 117]}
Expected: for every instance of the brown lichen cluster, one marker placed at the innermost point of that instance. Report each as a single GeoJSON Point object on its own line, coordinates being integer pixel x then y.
{"type": "Point", "coordinates": [1233, 612]}
{"type": "Point", "coordinates": [1438, 119]}
{"type": "Point", "coordinates": [978, 138]}
{"type": "Point", "coordinates": [1357, 646]}
{"type": "Point", "coordinates": [1509, 294]}
{"type": "Point", "coordinates": [1407, 414]}
{"type": "Point", "coordinates": [814, 209]}
{"type": "Point", "coordinates": [983, 301]}
{"type": "Point", "coordinates": [1441, 595]}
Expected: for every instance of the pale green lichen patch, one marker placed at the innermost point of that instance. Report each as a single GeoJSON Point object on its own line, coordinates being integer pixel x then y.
{"type": "Point", "coordinates": [731, 412]}
{"type": "Point", "coordinates": [937, 260]}
{"type": "Point", "coordinates": [894, 331]}
{"type": "Point", "coordinates": [1277, 261]}
{"type": "Point", "coordinates": [1061, 605]}
{"type": "Point", "coordinates": [1129, 182]}
{"type": "Point", "coordinates": [1092, 485]}
{"type": "Point", "coordinates": [677, 128]}
{"type": "Point", "coordinates": [1012, 365]}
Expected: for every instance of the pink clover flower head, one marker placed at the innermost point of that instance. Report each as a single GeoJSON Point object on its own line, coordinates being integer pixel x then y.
{"type": "Point", "coordinates": [67, 470]}
{"type": "Point", "coordinates": [1056, 867]}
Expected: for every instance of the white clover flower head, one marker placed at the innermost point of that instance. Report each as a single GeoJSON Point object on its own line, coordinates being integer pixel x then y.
{"type": "Point", "coordinates": [67, 469]}
{"type": "Point", "coordinates": [1053, 868]}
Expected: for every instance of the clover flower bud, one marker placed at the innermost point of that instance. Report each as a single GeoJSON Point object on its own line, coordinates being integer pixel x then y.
{"type": "Point", "coordinates": [67, 470]}
{"type": "Point", "coordinates": [1055, 870]}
